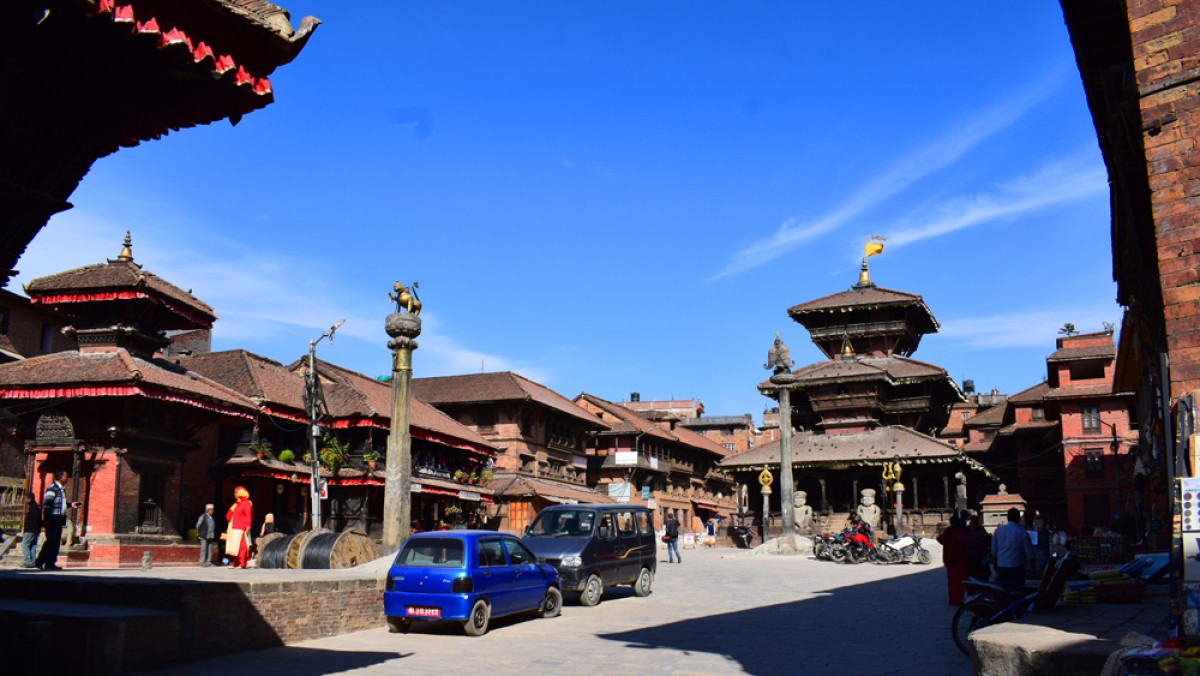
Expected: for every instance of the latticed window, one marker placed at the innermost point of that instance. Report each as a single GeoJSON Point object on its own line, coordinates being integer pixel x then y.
{"type": "Point", "coordinates": [1091, 419]}
{"type": "Point", "coordinates": [1093, 463]}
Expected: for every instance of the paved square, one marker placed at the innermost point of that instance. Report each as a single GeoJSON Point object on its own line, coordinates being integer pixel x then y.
{"type": "Point", "coordinates": [719, 612]}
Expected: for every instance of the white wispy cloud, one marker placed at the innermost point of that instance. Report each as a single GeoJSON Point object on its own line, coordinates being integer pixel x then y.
{"type": "Point", "coordinates": [899, 176]}
{"type": "Point", "coordinates": [272, 298]}
{"type": "Point", "coordinates": [1034, 328]}
{"type": "Point", "coordinates": [1064, 180]}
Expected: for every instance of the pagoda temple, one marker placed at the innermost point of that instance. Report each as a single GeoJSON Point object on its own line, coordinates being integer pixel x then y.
{"type": "Point", "coordinates": [115, 415]}
{"type": "Point", "coordinates": [869, 412]}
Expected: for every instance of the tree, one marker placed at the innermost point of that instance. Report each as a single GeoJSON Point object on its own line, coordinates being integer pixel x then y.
{"type": "Point", "coordinates": [1067, 329]}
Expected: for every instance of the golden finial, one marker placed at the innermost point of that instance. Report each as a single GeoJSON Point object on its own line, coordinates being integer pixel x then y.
{"type": "Point", "coordinates": [126, 251]}
{"type": "Point", "coordinates": [874, 247]}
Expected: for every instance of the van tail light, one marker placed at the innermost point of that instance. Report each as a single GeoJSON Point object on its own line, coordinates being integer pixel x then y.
{"type": "Point", "coordinates": [462, 585]}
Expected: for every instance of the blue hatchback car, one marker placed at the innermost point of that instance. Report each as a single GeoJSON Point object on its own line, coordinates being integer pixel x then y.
{"type": "Point", "coordinates": [468, 576]}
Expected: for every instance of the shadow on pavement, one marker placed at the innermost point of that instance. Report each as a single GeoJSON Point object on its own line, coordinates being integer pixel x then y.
{"type": "Point", "coordinates": [864, 628]}
{"type": "Point", "coordinates": [299, 662]}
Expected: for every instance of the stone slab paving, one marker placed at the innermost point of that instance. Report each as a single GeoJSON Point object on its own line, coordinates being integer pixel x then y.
{"type": "Point", "coordinates": [719, 612]}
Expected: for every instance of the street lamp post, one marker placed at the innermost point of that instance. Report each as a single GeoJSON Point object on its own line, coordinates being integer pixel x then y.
{"type": "Point", "coordinates": [779, 360]}
{"type": "Point", "coordinates": [404, 325]}
{"type": "Point", "coordinates": [314, 430]}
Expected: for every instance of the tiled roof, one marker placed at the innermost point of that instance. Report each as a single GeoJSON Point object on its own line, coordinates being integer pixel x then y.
{"type": "Point", "coordinates": [69, 373]}
{"type": "Point", "coordinates": [1032, 395]}
{"type": "Point", "coordinates": [515, 485]}
{"type": "Point", "coordinates": [373, 398]}
{"type": "Point", "coordinates": [8, 350]}
{"type": "Point", "coordinates": [253, 375]}
{"type": "Point", "coordinates": [1083, 391]}
{"type": "Point", "coordinates": [116, 275]}
{"type": "Point", "coordinates": [480, 388]}
{"type": "Point", "coordinates": [633, 422]}
{"type": "Point", "coordinates": [1028, 426]}
{"type": "Point", "coordinates": [993, 415]}
{"type": "Point", "coordinates": [877, 446]}
{"type": "Point", "coordinates": [717, 421]}
{"type": "Point", "coordinates": [894, 368]}
{"type": "Point", "coordinates": [1080, 353]}
{"type": "Point", "coordinates": [855, 298]}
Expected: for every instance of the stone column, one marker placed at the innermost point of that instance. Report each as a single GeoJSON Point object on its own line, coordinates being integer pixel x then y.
{"type": "Point", "coordinates": [779, 361]}
{"type": "Point", "coordinates": [403, 327]}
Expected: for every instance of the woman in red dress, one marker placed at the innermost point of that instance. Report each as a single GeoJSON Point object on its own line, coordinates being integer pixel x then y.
{"type": "Point", "coordinates": [954, 558]}
{"type": "Point", "coordinates": [239, 516]}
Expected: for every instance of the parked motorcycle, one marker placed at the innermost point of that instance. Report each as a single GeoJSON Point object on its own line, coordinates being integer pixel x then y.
{"type": "Point", "coordinates": [905, 549]}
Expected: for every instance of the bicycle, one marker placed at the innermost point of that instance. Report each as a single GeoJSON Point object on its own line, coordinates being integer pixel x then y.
{"type": "Point", "coordinates": [992, 603]}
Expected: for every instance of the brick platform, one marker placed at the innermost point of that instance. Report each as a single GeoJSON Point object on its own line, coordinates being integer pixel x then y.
{"type": "Point", "coordinates": [136, 620]}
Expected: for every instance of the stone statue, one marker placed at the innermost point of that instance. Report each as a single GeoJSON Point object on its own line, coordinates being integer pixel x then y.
{"type": "Point", "coordinates": [960, 493]}
{"type": "Point", "coordinates": [867, 509]}
{"type": "Point", "coordinates": [406, 300]}
{"type": "Point", "coordinates": [801, 512]}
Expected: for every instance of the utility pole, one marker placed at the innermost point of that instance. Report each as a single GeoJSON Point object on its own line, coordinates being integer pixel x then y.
{"type": "Point", "coordinates": [314, 430]}
{"type": "Point", "coordinates": [404, 325]}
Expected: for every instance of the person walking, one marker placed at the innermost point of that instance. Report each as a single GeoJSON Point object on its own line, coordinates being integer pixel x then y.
{"type": "Point", "coordinates": [237, 539]}
{"type": "Point", "coordinates": [30, 529]}
{"type": "Point", "coordinates": [206, 532]}
{"type": "Point", "coordinates": [954, 557]}
{"type": "Point", "coordinates": [673, 540]}
{"type": "Point", "coordinates": [979, 546]}
{"type": "Point", "coordinates": [54, 517]}
{"type": "Point", "coordinates": [1012, 552]}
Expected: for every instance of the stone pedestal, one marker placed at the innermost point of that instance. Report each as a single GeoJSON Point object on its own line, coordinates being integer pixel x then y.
{"type": "Point", "coordinates": [994, 508]}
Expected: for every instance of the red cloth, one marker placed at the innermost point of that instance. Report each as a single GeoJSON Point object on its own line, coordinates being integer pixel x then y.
{"type": "Point", "coordinates": [240, 516]}
{"type": "Point", "coordinates": [955, 559]}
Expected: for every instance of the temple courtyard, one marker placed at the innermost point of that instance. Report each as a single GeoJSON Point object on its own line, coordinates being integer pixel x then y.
{"type": "Point", "coordinates": [720, 611]}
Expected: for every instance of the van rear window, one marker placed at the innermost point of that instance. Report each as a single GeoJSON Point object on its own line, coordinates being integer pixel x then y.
{"type": "Point", "coordinates": [431, 553]}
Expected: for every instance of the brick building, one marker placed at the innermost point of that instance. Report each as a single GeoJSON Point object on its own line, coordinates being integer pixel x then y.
{"type": "Point", "coordinates": [1137, 61]}
{"type": "Point", "coordinates": [663, 463]}
{"type": "Point", "coordinates": [734, 433]}
{"type": "Point", "coordinates": [541, 437]}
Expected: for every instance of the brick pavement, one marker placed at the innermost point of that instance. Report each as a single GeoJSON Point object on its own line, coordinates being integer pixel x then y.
{"type": "Point", "coordinates": [721, 611]}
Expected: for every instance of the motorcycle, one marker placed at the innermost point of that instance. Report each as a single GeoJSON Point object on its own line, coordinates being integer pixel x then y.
{"type": "Point", "coordinates": [904, 549]}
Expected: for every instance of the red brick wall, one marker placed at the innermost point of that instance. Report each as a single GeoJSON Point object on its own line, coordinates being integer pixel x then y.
{"type": "Point", "coordinates": [1165, 44]}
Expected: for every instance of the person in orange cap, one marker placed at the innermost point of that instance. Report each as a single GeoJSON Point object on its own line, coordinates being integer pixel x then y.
{"type": "Point", "coordinates": [239, 516]}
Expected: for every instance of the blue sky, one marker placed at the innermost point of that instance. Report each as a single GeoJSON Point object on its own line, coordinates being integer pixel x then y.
{"type": "Point", "coordinates": [614, 197]}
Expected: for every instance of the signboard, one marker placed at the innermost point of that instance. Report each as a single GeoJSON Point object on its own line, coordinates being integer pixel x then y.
{"type": "Point", "coordinates": [652, 504]}
{"type": "Point", "coordinates": [416, 488]}
{"type": "Point", "coordinates": [619, 492]}
{"type": "Point", "coordinates": [653, 463]}
{"type": "Point", "coordinates": [645, 492]}
{"type": "Point", "coordinates": [323, 486]}
{"type": "Point", "coordinates": [468, 495]}
{"type": "Point", "coordinates": [625, 458]}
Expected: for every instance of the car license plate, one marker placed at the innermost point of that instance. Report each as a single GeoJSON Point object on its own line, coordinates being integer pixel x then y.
{"type": "Point", "coordinates": [423, 611]}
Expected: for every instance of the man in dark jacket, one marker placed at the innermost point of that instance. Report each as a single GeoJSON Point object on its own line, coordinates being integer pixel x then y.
{"type": "Point", "coordinates": [206, 533]}
{"type": "Point", "coordinates": [54, 517]}
{"type": "Point", "coordinates": [673, 540]}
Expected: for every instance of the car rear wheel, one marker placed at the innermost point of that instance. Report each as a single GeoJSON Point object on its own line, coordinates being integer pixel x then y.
{"type": "Point", "coordinates": [476, 623]}
{"type": "Point", "coordinates": [399, 625]}
{"type": "Point", "coordinates": [552, 603]}
{"type": "Point", "coordinates": [641, 586]}
{"type": "Point", "coordinates": [592, 589]}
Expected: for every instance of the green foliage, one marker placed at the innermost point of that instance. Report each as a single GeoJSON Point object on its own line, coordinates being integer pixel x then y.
{"type": "Point", "coordinates": [372, 456]}
{"type": "Point", "coordinates": [260, 446]}
{"type": "Point", "coordinates": [286, 455]}
{"type": "Point", "coordinates": [333, 452]}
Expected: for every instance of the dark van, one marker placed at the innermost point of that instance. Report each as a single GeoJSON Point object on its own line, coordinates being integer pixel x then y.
{"type": "Point", "coordinates": [594, 546]}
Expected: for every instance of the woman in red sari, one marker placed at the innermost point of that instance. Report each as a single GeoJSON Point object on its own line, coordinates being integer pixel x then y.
{"type": "Point", "coordinates": [239, 516]}
{"type": "Point", "coordinates": [954, 558]}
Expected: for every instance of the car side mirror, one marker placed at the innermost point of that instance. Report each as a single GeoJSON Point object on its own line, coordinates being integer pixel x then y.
{"type": "Point", "coordinates": [528, 530]}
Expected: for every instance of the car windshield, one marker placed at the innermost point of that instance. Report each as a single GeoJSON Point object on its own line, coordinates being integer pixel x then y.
{"type": "Point", "coordinates": [563, 523]}
{"type": "Point", "coordinates": [431, 553]}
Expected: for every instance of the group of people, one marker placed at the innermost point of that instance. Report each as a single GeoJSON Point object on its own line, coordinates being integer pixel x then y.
{"type": "Point", "coordinates": [1007, 556]}
{"type": "Point", "coordinates": [967, 551]}
{"type": "Point", "coordinates": [239, 543]}
{"type": "Point", "coordinates": [51, 517]}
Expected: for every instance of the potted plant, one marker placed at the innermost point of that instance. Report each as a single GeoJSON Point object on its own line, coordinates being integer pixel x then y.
{"type": "Point", "coordinates": [287, 455]}
{"type": "Point", "coordinates": [485, 477]}
{"type": "Point", "coordinates": [371, 457]}
{"type": "Point", "coordinates": [260, 448]}
{"type": "Point", "coordinates": [332, 453]}
{"type": "Point", "coordinates": [460, 476]}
